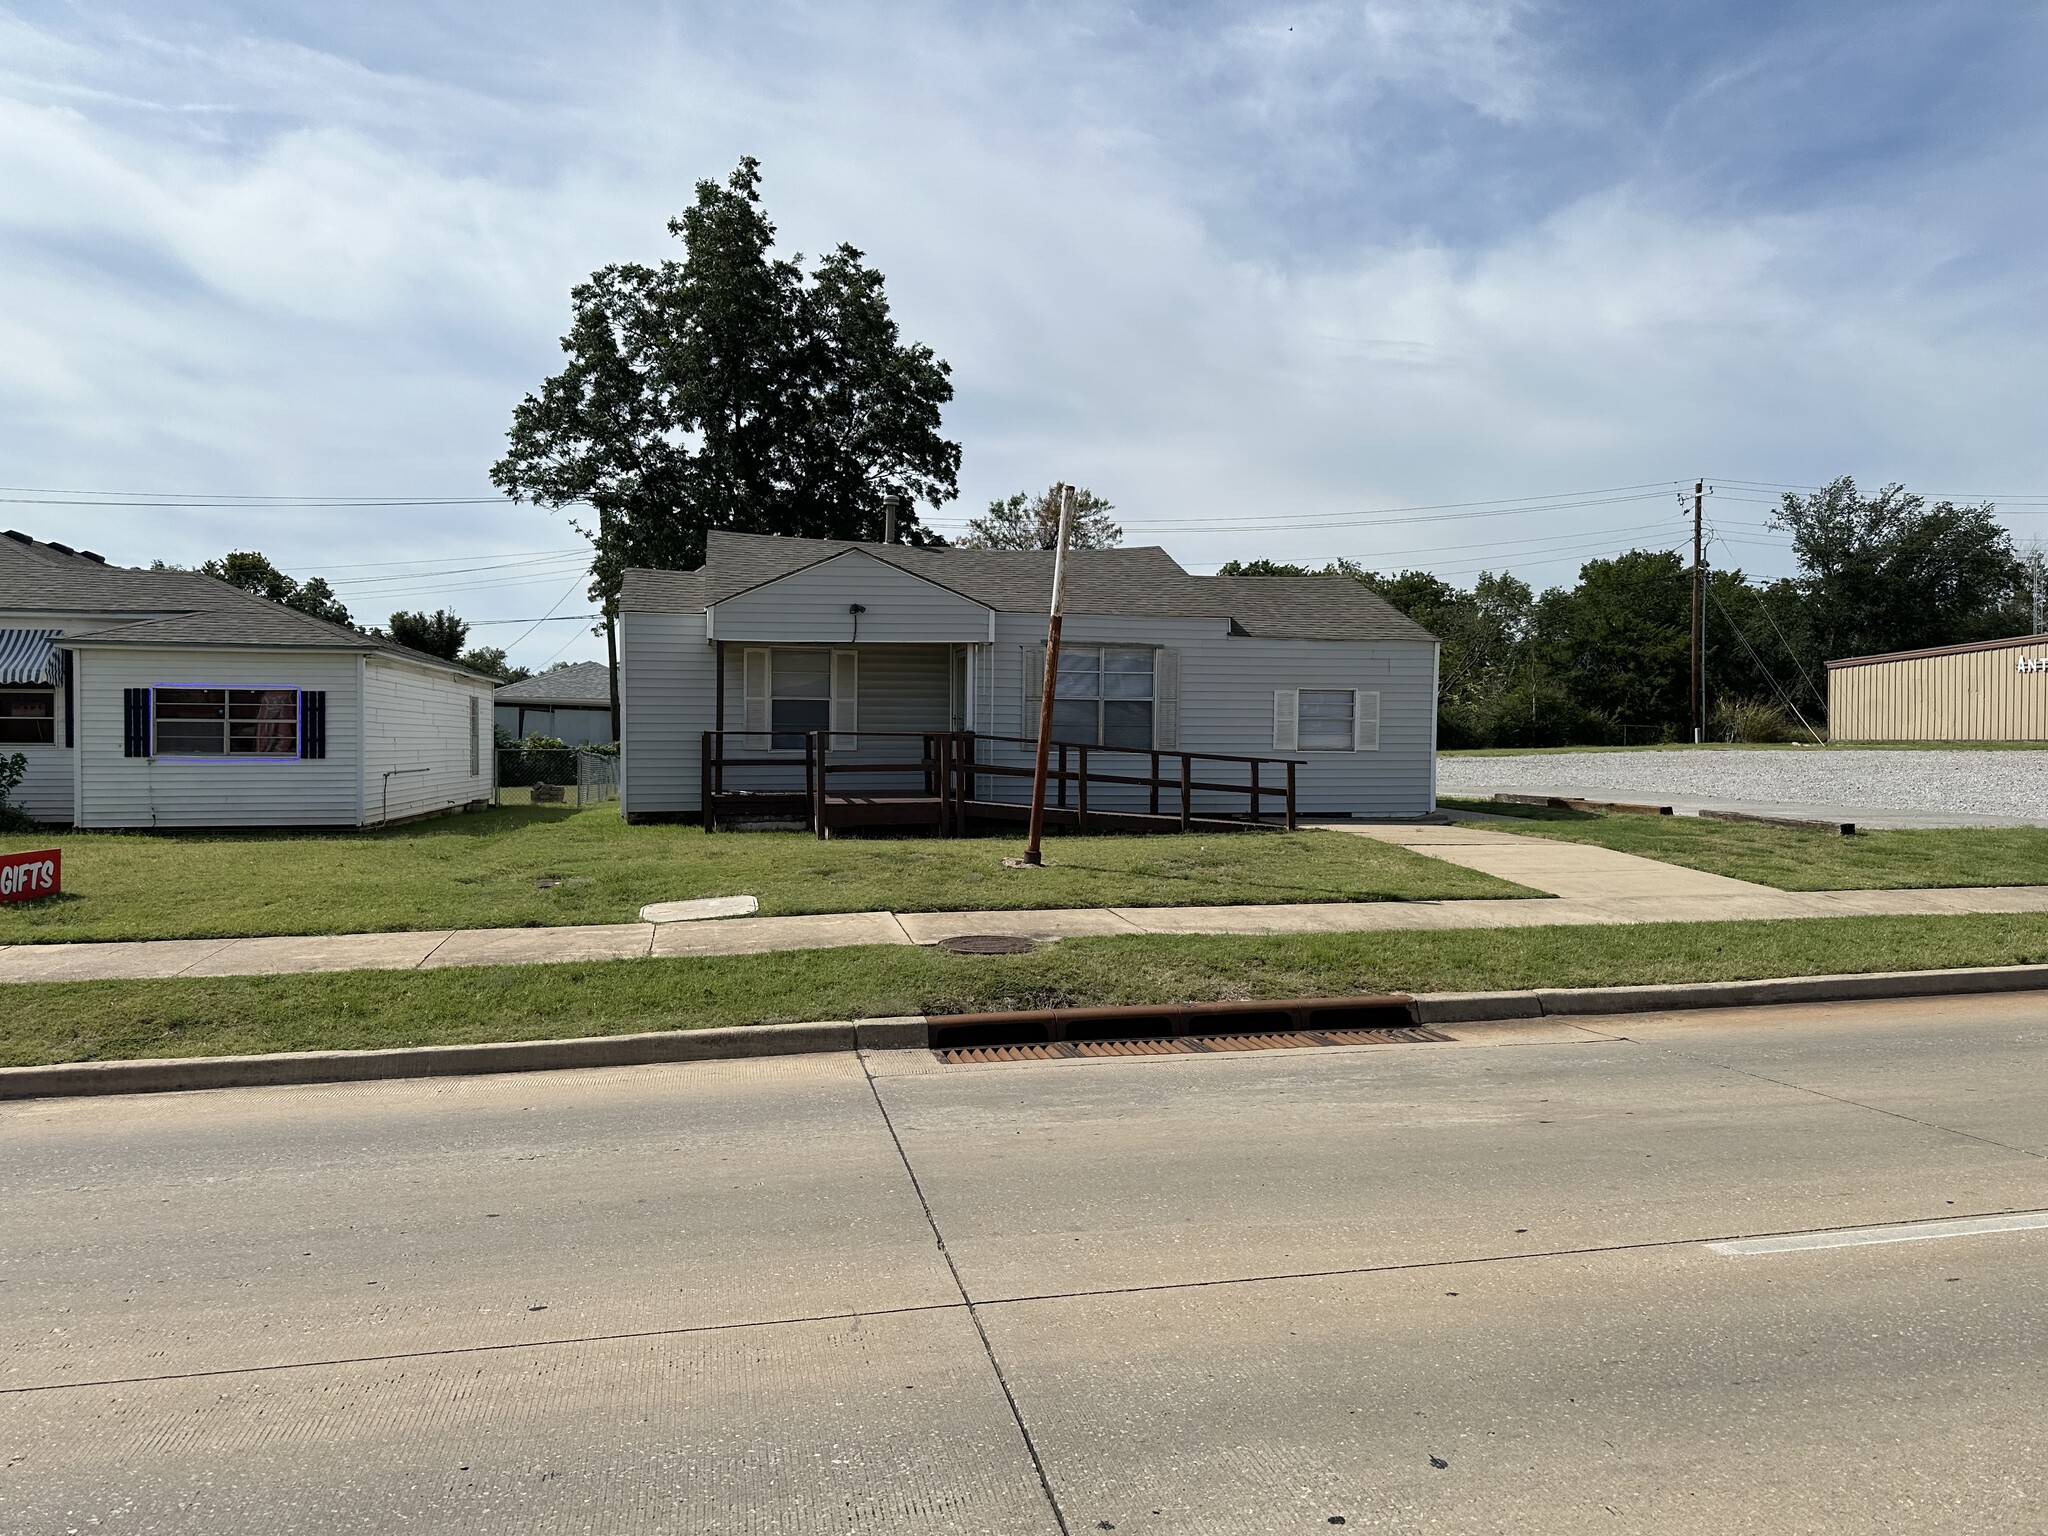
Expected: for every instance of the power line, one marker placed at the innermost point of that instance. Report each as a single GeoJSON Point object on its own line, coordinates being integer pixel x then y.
{"type": "Point", "coordinates": [556, 618]}
{"type": "Point", "coordinates": [581, 557]}
{"type": "Point", "coordinates": [548, 615]}
{"type": "Point", "coordinates": [376, 565]}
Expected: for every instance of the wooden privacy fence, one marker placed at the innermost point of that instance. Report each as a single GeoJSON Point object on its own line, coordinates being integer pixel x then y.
{"type": "Point", "coordinates": [950, 769]}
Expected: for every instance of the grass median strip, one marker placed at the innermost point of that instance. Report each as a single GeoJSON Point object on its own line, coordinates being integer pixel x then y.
{"type": "Point", "coordinates": [1795, 860]}
{"type": "Point", "coordinates": [483, 871]}
{"type": "Point", "coordinates": [362, 1010]}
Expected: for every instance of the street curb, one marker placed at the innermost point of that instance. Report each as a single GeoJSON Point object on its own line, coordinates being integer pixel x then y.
{"type": "Point", "coordinates": [184, 1074]}
{"type": "Point", "coordinates": [1479, 1007]}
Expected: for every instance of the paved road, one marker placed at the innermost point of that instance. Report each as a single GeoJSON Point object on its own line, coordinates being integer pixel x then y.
{"type": "Point", "coordinates": [1441, 1288]}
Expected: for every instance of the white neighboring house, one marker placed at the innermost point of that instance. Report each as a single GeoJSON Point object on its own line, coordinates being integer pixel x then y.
{"type": "Point", "coordinates": [775, 637]}
{"type": "Point", "coordinates": [171, 699]}
{"type": "Point", "coordinates": [573, 704]}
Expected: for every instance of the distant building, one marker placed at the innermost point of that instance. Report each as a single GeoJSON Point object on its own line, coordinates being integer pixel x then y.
{"type": "Point", "coordinates": [573, 704]}
{"type": "Point", "coordinates": [171, 699]}
{"type": "Point", "coordinates": [1992, 690]}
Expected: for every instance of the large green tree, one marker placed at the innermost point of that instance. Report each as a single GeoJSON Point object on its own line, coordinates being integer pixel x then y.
{"type": "Point", "coordinates": [1890, 573]}
{"type": "Point", "coordinates": [439, 633]}
{"type": "Point", "coordinates": [252, 572]}
{"type": "Point", "coordinates": [1025, 521]}
{"type": "Point", "coordinates": [731, 389]}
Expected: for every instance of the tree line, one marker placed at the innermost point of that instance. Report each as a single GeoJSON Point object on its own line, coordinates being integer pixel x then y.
{"type": "Point", "coordinates": [1607, 660]}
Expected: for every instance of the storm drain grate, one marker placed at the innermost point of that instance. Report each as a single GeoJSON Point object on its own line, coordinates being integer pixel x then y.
{"type": "Point", "coordinates": [1185, 1045]}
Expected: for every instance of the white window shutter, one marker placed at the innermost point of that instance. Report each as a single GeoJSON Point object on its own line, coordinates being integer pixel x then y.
{"type": "Point", "coordinates": [1034, 686]}
{"type": "Point", "coordinates": [845, 701]}
{"type": "Point", "coordinates": [754, 686]}
{"type": "Point", "coordinates": [1286, 720]}
{"type": "Point", "coordinates": [1166, 699]}
{"type": "Point", "coordinates": [1365, 721]}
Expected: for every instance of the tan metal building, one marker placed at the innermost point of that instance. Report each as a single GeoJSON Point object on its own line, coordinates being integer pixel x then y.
{"type": "Point", "coordinates": [1993, 690]}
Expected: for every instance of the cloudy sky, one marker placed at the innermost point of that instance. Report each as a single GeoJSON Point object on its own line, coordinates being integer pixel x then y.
{"type": "Point", "coordinates": [1269, 277]}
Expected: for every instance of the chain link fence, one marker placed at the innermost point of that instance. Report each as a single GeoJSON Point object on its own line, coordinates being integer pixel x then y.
{"type": "Point", "coordinates": [548, 775]}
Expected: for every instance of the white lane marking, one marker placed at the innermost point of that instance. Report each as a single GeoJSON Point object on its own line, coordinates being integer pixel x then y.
{"type": "Point", "coordinates": [1905, 1232]}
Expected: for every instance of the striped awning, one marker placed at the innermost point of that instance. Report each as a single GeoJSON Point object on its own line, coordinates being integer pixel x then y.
{"type": "Point", "coordinates": [28, 656]}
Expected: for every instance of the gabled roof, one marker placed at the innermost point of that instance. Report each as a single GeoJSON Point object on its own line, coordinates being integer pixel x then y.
{"type": "Point", "coordinates": [1145, 583]}
{"type": "Point", "coordinates": [167, 608]}
{"type": "Point", "coordinates": [585, 683]}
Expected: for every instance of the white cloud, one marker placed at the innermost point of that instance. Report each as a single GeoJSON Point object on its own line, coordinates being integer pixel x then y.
{"type": "Point", "coordinates": [239, 262]}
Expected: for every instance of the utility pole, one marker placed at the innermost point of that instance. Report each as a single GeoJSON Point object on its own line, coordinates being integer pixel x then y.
{"type": "Point", "coordinates": [1046, 694]}
{"type": "Point", "coordinates": [2037, 569]}
{"type": "Point", "coordinates": [1699, 627]}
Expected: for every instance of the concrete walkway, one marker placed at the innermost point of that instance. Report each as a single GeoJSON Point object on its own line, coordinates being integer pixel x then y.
{"type": "Point", "coordinates": [1591, 885]}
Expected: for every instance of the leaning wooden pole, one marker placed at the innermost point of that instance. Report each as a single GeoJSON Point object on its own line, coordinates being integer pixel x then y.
{"type": "Point", "coordinates": [1050, 688]}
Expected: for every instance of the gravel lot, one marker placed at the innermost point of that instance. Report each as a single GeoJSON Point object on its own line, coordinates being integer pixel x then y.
{"type": "Point", "coordinates": [1932, 786]}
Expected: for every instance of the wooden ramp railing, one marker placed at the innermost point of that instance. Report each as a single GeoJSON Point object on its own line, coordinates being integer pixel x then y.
{"type": "Point", "coordinates": [950, 770]}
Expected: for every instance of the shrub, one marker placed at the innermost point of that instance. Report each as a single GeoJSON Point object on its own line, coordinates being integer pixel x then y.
{"type": "Point", "coordinates": [13, 769]}
{"type": "Point", "coordinates": [1754, 720]}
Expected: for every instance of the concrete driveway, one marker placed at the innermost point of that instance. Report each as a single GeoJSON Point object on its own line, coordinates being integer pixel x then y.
{"type": "Point", "coordinates": [1444, 1288]}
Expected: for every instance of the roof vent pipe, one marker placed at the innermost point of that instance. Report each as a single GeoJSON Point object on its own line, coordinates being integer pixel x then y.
{"type": "Point", "coordinates": [895, 505]}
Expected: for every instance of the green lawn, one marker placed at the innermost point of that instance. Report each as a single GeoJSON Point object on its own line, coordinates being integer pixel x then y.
{"type": "Point", "coordinates": [1794, 860]}
{"type": "Point", "coordinates": [353, 1010]}
{"type": "Point", "coordinates": [481, 871]}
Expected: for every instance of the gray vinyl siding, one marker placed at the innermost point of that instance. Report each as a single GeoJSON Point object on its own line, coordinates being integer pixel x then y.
{"type": "Point", "coordinates": [902, 688]}
{"type": "Point", "coordinates": [117, 791]}
{"type": "Point", "coordinates": [416, 724]}
{"type": "Point", "coordinates": [667, 684]}
{"type": "Point", "coordinates": [1226, 705]}
{"type": "Point", "coordinates": [574, 725]}
{"type": "Point", "coordinates": [810, 607]}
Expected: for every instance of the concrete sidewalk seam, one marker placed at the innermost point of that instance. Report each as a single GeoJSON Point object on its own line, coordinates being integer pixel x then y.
{"type": "Point", "coordinates": [988, 1347]}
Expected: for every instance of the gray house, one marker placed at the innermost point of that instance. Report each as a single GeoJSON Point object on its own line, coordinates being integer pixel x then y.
{"type": "Point", "coordinates": [885, 678]}
{"type": "Point", "coordinates": [170, 699]}
{"type": "Point", "coordinates": [573, 704]}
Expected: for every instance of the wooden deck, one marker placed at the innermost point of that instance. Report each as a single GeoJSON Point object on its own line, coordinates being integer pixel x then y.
{"type": "Point", "coordinates": [951, 769]}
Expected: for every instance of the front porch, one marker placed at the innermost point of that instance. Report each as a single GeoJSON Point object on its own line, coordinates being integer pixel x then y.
{"type": "Point", "coordinates": [942, 781]}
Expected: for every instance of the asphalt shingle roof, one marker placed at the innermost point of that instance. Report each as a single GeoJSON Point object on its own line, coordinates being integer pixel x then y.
{"type": "Point", "coordinates": [162, 608]}
{"type": "Point", "coordinates": [1145, 582]}
{"type": "Point", "coordinates": [583, 682]}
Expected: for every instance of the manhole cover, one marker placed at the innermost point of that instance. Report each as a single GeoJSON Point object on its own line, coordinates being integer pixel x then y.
{"type": "Point", "coordinates": [988, 944]}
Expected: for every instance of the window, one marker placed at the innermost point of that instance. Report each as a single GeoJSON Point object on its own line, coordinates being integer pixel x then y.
{"type": "Point", "coordinates": [1105, 696]}
{"type": "Point", "coordinates": [476, 754]}
{"type": "Point", "coordinates": [226, 722]}
{"type": "Point", "coordinates": [799, 696]}
{"type": "Point", "coordinates": [1326, 720]}
{"type": "Point", "coordinates": [28, 715]}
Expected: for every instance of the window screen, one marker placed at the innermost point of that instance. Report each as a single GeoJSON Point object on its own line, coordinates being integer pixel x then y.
{"type": "Point", "coordinates": [1105, 696]}
{"type": "Point", "coordinates": [800, 697]}
{"type": "Point", "coordinates": [1326, 719]}
{"type": "Point", "coordinates": [28, 715]}
{"type": "Point", "coordinates": [226, 722]}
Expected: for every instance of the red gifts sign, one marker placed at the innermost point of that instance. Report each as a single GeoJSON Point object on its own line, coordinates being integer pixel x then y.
{"type": "Point", "coordinates": [31, 876]}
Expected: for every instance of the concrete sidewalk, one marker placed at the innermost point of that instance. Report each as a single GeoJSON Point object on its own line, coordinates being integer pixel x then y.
{"type": "Point", "coordinates": [1591, 885]}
